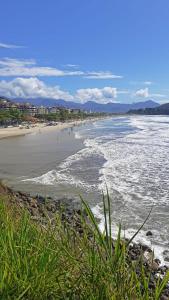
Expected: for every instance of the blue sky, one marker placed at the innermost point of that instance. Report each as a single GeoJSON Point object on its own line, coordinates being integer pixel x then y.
{"type": "Point", "coordinates": [101, 50]}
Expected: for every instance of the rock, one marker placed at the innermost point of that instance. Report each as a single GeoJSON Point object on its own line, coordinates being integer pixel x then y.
{"type": "Point", "coordinates": [149, 233]}
{"type": "Point", "coordinates": [148, 258]}
{"type": "Point", "coordinates": [166, 259]}
{"type": "Point", "coordinates": [152, 284]}
{"type": "Point", "coordinates": [34, 211]}
{"type": "Point", "coordinates": [166, 255]}
{"type": "Point", "coordinates": [21, 204]}
{"type": "Point", "coordinates": [80, 230]}
{"type": "Point", "coordinates": [35, 218]}
{"type": "Point", "coordinates": [50, 207]}
{"type": "Point", "coordinates": [40, 198]}
{"type": "Point", "coordinates": [154, 266]}
{"type": "Point", "coordinates": [163, 269]}
{"type": "Point", "coordinates": [158, 275]}
{"type": "Point", "coordinates": [33, 203]}
{"type": "Point", "coordinates": [157, 261]}
{"type": "Point", "coordinates": [163, 297]}
{"type": "Point", "coordinates": [28, 199]}
{"type": "Point", "coordinates": [132, 255]}
{"type": "Point", "coordinates": [166, 292]}
{"type": "Point", "coordinates": [145, 248]}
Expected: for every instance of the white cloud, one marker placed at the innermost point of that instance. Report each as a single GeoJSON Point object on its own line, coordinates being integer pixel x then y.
{"type": "Point", "coordinates": [9, 46]}
{"type": "Point", "coordinates": [148, 82]}
{"type": "Point", "coordinates": [158, 95]}
{"type": "Point", "coordinates": [143, 93]}
{"type": "Point", "coordinates": [141, 82]}
{"type": "Point", "coordinates": [29, 68]}
{"type": "Point", "coordinates": [31, 88]}
{"type": "Point", "coordinates": [102, 75]}
{"type": "Point", "coordinates": [104, 95]}
{"type": "Point", "coordinates": [72, 66]}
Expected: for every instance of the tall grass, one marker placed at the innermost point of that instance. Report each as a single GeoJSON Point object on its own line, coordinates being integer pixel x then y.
{"type": "Point", "coordinates": [57, 262]}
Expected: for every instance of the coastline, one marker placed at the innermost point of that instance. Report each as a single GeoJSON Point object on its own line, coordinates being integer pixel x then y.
{"type": "Point", "coordinates": [40, 128]}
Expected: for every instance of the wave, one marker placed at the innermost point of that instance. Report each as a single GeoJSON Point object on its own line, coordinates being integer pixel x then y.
{"type": "Point", "coordinates": [63, 173]}
{"type": "Point", "coordinates": [78, 136]}
{"type": "Point", "coordinates": [54, 177]}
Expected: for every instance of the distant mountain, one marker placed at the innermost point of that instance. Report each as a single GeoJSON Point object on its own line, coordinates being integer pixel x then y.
{"type": "Point", "coordinates": [2, 98]}
{"type": "Point", "coordinates": [160, 110]}
{"type": "Point", "coordinates": [91, 105]}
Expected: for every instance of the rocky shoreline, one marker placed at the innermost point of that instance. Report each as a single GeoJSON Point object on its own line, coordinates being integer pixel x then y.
{"type": "Point", "coordinates": [42, 209]}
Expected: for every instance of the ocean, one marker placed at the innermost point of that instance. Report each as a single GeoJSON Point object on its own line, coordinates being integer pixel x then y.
{"type": "Point", "coordinates": [128, 155]}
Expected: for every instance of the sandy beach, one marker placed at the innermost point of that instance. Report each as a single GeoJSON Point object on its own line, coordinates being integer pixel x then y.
{"type": "Point", "coordinates": [39, 128]}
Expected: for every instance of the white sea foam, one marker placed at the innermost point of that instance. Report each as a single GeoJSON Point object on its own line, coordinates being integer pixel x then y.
{"type": "Point", "coordinates": [46, 179]}
{"type": "Point", "coordinates": [136, 172]}
{"type": "Point", "coordinates": [53, 178]}
{"type": "Point", "coordinates": [135, 161]}
{"type": "Point", "coordinates": [87, 152]}
{"type": "Point", "coordinates": [78, 136]}
{"type": "Point", "coordinates": [129, 233]}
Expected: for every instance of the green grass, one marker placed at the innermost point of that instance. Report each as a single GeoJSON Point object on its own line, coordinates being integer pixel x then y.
{"type": "Point", "coordinates": [57, 263]}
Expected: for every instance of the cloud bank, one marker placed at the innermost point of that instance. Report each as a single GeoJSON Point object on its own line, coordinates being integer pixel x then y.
{"type": "Point", "coordinates": [104, 95]}
{"type": "Point", "coordinates": [29, 68]}
{"type": "Point", "coordinates": [144, 93]}
{"type": "Point", "coordinates": [33, 87]}
{"type": "Point", "coordinates": [102, 75]}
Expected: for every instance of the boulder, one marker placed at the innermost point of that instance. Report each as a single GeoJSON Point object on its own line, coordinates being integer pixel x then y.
{"type": "Point", "coordinates": [149, 233]}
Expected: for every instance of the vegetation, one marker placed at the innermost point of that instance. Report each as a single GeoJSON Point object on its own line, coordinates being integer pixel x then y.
{"type": "Point", "coordinates": [64, 115]}
{"type": "Point", "coordinates": [55, 262]}
{"type": "Point", "coordinates": [12, 116]}
{"type": "Point", "coordinates": [159, 110]}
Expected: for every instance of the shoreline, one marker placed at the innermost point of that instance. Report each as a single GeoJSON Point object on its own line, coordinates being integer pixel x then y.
{"type": "Point", "coordinates": [41, 127]}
